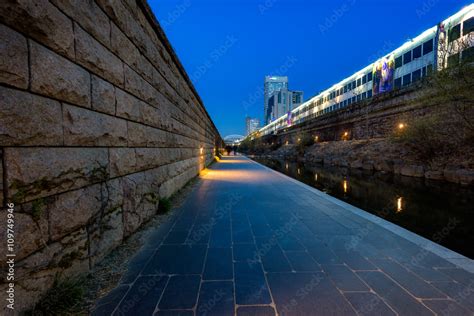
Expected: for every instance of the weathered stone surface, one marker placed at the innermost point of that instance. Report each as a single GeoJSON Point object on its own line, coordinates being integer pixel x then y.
{"type": "Point", "coordinates": [42, 21]}
{"type": "Point", "coordinates": [30, 175]}
{"type": "Point", "coordinates": [72, 210]}
{"type": "Point", "coordinates": [123, 47]}
{"type": "Point", "coordinates": [103, 96]}
{"type": "Point", "coordinates": [130, 107]}
{"type": "Point", "coordinates": [122, 161]}
{"type": "Point", "coordinates": [106, 233]}
{"type": "Point", "coordinates": [13, 58]}
{"type": "Point", "coordinates": [140, 201]}
{"type": "Point", "coordinates": [1, 178]}
{"type": "Point", "coordinates": [412, 171]}
{"type": "Point", "coordinates": [137, 134]}
{"type": "Point", "coordinates": [19, 127]}
{"type": "Point", "coordinates": [94, 56]}
{"type": "Point", "coordinates": [89, 16]}
{"type": "Point", "coordinates": [87, 128]}
{"type": "Point", "coordinates": [32, 230]}
{"type": "Point", "coordinates": [139, 87]}
{"type": "Point", "coordinates": [55, 76]}
{"type": "Point", "coordinates": [462, 176]}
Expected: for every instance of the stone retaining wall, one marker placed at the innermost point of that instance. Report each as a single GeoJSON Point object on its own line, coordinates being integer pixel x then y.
{"type": "Point", "coordinates": [98, 121]}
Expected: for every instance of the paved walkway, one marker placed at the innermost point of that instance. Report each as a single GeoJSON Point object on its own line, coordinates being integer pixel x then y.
{"type": "Point", "coordinates": [249, 241]}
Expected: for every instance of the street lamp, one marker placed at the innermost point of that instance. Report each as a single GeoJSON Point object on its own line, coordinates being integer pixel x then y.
{"type": "Point", "coordinates": [401, 126]}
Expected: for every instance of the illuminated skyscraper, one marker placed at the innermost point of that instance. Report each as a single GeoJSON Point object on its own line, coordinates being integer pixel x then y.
{"type": "Point", "coordinates": [272, 84]}
{"type": "Point", "coordinates": [252, 125]}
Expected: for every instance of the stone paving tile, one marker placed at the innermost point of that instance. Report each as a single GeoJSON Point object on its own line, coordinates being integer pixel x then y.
{"type": "Point", "coordinates": [218, 264]}
{"type": "Point", "coordinates": [245, 252]}
{"type": "Point", "coordinates": [446, 307]}
{"type": "Point", "coordinates": [344, 278]}
{"type": "Point", "coordinates": [459, 275]}
{"type": "Point", "coordinates": [367, 303]}
{"type": "Point", "coordinates": [177, 259]}
{"type": "Point", "coordinates": [250, 285]}
{"type": "Point", "coordinates": [176, 237]}
{"type": "Point", "coordinates": [181, 292]}
{"type": "Point", "coordinates": [409, 281]}
{"type": "Point", "coordinates": [399, 299]}
{"type": "Point", "coordinates": [255, 311]}
{"type": "Point", "coordinates": [462, 294]}
{"type": "Point", "coordinates": [354, 260]}
{"type": "Point", "coordinates": [307, 293]}
{"type": "Point", "coordinates": [143, 296]}
{"type": "Point", "coordinates": [216, 298]}
{"type": "Point", "coordinates": [301, 261]}
{"type": "Point", "coordinates": [205, 240]}
{"type": "Point", "coordinates": [175, 313]}
{"type": "Point", "coordinates": [107, 304]}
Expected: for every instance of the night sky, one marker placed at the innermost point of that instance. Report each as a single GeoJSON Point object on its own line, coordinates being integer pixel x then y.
{"type": "Point", "coordinates": [228, 46]}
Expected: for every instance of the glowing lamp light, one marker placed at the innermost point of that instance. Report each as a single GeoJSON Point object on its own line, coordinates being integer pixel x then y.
{"type": "Point", "coordinates": [287, 142]}
{"type": "Point", "coordinates": [345, 186]}
{"type": "Point", "coordinates": [299, 172]}
{"type": "Point", "coordinates": [315, 177]}
{"type": "Point", "coordinates": [399, 204]}
{"type": "Point", "coordinates": [316, 138]}
{"type": "Point", "coordinates": [299, 139]}
{"type": "Point", "coordinates": [286, 166]}
{"type": "Point", "coordinates": [346, 134]}
{"type": "Point", "coordinates": [201, 150]}
{"type": "Point", "coordinates": [401, 126]}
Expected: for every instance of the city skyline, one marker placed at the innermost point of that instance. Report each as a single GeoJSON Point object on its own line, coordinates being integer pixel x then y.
{"type": "Point", "coordinates": [220, 59]}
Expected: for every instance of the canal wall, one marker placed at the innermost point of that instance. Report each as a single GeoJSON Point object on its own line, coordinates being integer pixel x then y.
{"type": "Point", "coordinates": [98, 122]}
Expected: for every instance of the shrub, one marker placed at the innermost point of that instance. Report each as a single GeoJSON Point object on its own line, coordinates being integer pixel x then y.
{"type": "Point", "coordinates": [164, 206]}
{"type": "Point", "coordinates": [64, 298]}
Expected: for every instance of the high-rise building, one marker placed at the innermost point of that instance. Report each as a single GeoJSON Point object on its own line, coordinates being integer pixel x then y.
{"type": "Point", "coordinates": [252, 125]}
{"type": "Point", "coordinates": [272, 84]}
{"type": "Point", "coordinates": [283, 101]}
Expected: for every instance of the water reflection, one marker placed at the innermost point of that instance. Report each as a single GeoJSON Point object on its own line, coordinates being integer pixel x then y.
{"type": "Point", "coordinates": [399, 204]}
{"type": "Point", "coordinates": [421, 206]}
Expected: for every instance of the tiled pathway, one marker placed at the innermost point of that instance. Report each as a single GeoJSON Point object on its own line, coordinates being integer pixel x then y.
{"type": "Point", "coordinates": [249, 241]}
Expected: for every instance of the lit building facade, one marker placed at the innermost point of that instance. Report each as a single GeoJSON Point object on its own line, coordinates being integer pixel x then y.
{"type": "Point", "coordinates": [252, 125]}
{"type": "Point", "coordinates": [272, 84]}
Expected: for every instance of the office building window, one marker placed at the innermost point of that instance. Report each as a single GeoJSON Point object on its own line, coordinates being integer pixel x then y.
{"type": "Point", "coordinates": [353, 99]}
{"type": "Point", "coordinates": [406, 80]}
{"type": "Point", "coordinates": [406, 57]}
{"type": "Point", "coordinates": [454, 33]}
{"type": "Point", "coordinates": [353, 85]}
{"type": "Point", "coordinates": [453, 60]}
{"type": "Point", "coordinates": [428, 46]}
{"type": "Point", "coordinates": [369, 93]}
{"type": "Point", "coordinates": [417, 52]}
{"type": "Point", "coordinates": [398, 62]}
{"type": "Point", "coordinates": [359, 97]}
{"type": "Point", "coordinates": [416, 75]}
{"type": "Point", "coordinates": [359, 82]}
{"type": "Point", "coordinates": [398, 83]}
{"type": "Point", "coordinates": [468, 26]}
{"type": "Point", "coordinates": [369, 76]}
{"type": "Point", "coordinates": [364, 79]}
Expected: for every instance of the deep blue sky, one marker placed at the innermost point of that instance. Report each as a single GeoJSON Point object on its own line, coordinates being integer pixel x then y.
{"type": "Point", "coordinates": [228, 46]}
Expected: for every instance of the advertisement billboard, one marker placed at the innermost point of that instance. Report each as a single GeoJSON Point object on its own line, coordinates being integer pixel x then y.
{"type": "Point", "coordinates": [382, 74]}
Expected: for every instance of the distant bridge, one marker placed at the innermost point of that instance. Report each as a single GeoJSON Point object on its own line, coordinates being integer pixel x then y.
{"type": "Point", "coordinates": [233, 139]}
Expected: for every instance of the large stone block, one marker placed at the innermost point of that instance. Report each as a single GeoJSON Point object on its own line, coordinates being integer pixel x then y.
{"type": "Point", "coordinates": [42, 21]}
{"type": "Point", "coordinates": [122, 161]}
{"type": "Point", "coordinates": [139, 87]}
{"type": "Point", "coordinates": [105, 234]}
{"type": "Point", "coordinates": [123, 47]}
{"type": "Point", "coordinates": [38, 172]}
{"type": "Point", "coordinates": [130, 107]}
{"type": "Point", "coordinates": [137, 134]}
{"type": "Point", "coordinates": [96, 57]}
{"type": "Point", "coordinates": [55, 76]}
{"type": "Point", "coordinates": [83, 127]}
{"type": "Point", "coordinates": [72, 210]}
{"type": "Point", "coordinates": [89, 16]}
{"type": "Point", "coordinates": [13, 58]}
{"type": "Point", "coordinates": [19, 127]}
{"type": "Point", "coordinates": [140, 201]}
{"type": "Point", "coordinates": [31, 230]}
{"type": "Point", "coordinates": [103, 96]}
